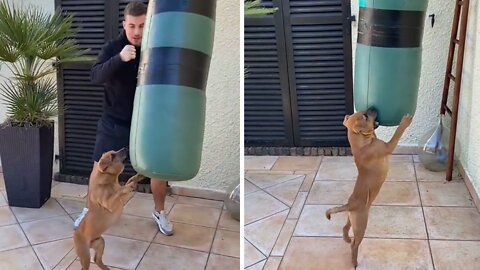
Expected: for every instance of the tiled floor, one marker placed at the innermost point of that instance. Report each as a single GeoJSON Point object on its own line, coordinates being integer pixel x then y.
{"type": "Point", "coordinates": [418, 221]}
{"type": "Point", "coordinates": [206, 237]}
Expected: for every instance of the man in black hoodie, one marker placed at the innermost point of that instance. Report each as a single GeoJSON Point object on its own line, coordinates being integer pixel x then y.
{"type": "Point", "coordinates": [117, 68]}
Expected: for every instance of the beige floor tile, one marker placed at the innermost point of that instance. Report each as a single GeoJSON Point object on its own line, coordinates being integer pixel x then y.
{"type": "Point", "coordinates": [416, 159]}
{"type": "Point", "coordinates": [330, 192]}
{"type": "Point", "coordinates": [4, 193]}
{"type": "Point", "coordinates": [452, 223]}
{"type": "Point", "coordinates": [11, 236]}
{"type": "Point", "coordinates": [272, 263]}
{"type": "Point", "coordinates": [307, 181]}
{"type": "Point", "coordinates": [3, 200]}
{"type": "Point", "coordinates": [284, 238]}
{"type": "Point", "coordinates": [396, 222]}
{"type": "Point", "coordinates": [337, 159]}
{"type": "Point", "coordinates": [337, 171]}
{"type": "Point", "coordinates": [196, 215]}
{"type": "Point", "coordinates": [268, 180]}
{"type": "Point", "coordinates": [401, 158]}
{"type": "Point", "coordinates": [226, 243]}
{"type": "Point", "coordinates": [199, 202]}
{"type": "Point", "coordinates": [45, 230]}
{"type": "Point", "coordinates": [51, 253]}
{"type": "Point", "coordinates": [257, 266]}
{"type": "Point", "coordinates": [317, 253]}
{"type": "Point", "coordinates": [247, 172]}
{"type": "Point", "coordinates": [50, 209]}
{"type": "Point", "coordinates": [228, 223]}
{"type": "Point", "coordinates": [218, 262]}
{"type": "Point", "coordinates": [259, 205]}
{"type": "Point", "coordinates": [67, 261]}
{"type": "Point", "coordinates": [401, 171]}
{"type": "Point", "coordinates": [450, 254]}
{"type": "Point", "coordinates": [6, 216]}
{"type": "Point", "coordinates": [251, 254]}
{"type": "Point", "coordinates": [148, 196]}
{"type": "Point", "coordinates": [132, 227]}
{"type": "Point", "coordinates": [297, 206]}
{"type": "Point", "coordinates": [312, 222]}
{"type": "Point", "coordinates": [123, 253]}
{"type": "Point", "coordinates": [76, 266]}
{"type": "Point", "coordinates": [160, 257]}
{"type": "Point", "coordinates": [2, 180]}
{"type": "Point", "coordinates": [426, 175]}
{"type": "Point", "coordinates": [249, 187]}
{"type": "Point", "coordinates": [295, 163]}
{"type": "Point", "coordinates": [69, 190]}
{"type": "Point", "coordinates": [259, 162]}
{"type": "Point", "coordinates": [142, 207]}
{"type": "Point", "coordinates": [22, 258]}
{"type": "Point", "coordinates": [188, 236]}
{"type": "Point", "coordinates": [264, 233]}
{"type": "Point", "coordinates": [398, 193]}
{"type": "Point", "coordinates": [286, 192]}
{"type": "Point", "coordinates": [376, 254]}
{"type": "Point", "coordinates": [72, 206]}
{"type": "Point", "coordinates": [445, 194]}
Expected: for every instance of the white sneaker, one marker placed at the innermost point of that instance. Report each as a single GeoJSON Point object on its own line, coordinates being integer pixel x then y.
{"type": "Point", "coordinates": [164, 225]}
{"type": "Point", "coordinates": [80, 218]}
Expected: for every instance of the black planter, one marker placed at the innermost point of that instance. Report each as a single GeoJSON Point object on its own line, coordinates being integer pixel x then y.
{"type": "Point", "coordinates": [27, 161]}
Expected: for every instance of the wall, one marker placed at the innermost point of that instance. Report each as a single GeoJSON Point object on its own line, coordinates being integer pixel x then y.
{"type": "Point", "coordinates": [221, 153]}
{"type": "Point", "coordinates": [468, 130]}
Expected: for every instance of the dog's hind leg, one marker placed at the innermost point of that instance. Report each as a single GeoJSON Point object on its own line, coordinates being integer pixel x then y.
{"type": "Point", "coordinates": [346, 228]}
{"type": "Point", "coordinates": [337, 209]}
{"type": "Point", "coordinates": [359, 221]}
{"type": "Point", "coordinates": [99, 245]}
{"type": "Point", "coordinates": [83, 251]}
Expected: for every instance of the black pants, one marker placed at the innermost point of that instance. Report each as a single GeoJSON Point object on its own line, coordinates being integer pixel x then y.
{"type": "Point", "coordinates": [110, 136]}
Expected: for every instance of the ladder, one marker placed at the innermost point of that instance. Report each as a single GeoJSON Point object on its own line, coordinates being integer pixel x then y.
{"type": "Point", "coordinates": [460, 18]}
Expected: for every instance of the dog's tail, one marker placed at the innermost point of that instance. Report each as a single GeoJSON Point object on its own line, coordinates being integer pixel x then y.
{"type": "Point", "coordinates": [337, 209]}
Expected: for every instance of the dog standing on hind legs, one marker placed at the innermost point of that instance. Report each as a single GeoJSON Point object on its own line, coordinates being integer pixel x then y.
{"type": "Point", "coordinates": [372, 158]}
{"type": "Point", "coordinates": [106, 198]}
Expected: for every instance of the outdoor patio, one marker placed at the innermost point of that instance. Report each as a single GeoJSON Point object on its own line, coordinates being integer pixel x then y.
{"type": "Point", "coordinates": [206, 237]}
{"type": "Point", "coordinates": [419, 221]}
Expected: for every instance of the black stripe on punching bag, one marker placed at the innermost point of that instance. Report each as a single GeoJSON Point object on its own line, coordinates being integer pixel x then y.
{"type": "Point", "coordinates": [173, 65]}
{"type": "Point", "coordinates": [391, 28]}
{"type": "Point", "coordinates": [201, 7]}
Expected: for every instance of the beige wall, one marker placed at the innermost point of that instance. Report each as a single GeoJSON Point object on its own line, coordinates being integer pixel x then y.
{"type": "Point", "coordinates": [468, 130]}
{"type": "Point", "coordinates": [221, 153]}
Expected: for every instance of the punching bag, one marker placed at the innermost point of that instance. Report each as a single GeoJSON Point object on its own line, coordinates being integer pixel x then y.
{"type": "Point", "coordinates": [168, 119]}
{"type": "Point", "coordinates": [389, 57]}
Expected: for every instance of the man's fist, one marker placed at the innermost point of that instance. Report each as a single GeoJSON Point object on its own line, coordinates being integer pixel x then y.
{"type": "Point", "coordinates": [128, 53]}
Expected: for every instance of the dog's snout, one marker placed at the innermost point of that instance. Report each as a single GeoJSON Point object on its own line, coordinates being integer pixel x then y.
{"type": "Point", "coordinates": [372, 112]}
{"type": "Point", "coordinates": [122, 153]}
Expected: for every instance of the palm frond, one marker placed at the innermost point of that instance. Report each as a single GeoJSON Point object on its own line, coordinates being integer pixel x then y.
{"type": "Point", "coordinates": [254, 8]}
{"type": "Point", "coordinates": [30, 42]}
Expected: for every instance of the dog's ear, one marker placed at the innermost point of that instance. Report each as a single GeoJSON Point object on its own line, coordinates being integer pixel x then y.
{"type": "Point", "coordinates": [104, 162]}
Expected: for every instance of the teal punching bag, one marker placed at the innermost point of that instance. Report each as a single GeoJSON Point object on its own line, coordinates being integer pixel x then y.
{"type": "Point", "coordinates": [168, 119]}
{"type": "Point", "coordinates": [388, 57]}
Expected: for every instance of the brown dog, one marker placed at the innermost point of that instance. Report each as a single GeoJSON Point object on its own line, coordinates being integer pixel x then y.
{"type": "Point", "coordinates": [105, 201]}
{"type": "Point", "coordinates": [372, 158]}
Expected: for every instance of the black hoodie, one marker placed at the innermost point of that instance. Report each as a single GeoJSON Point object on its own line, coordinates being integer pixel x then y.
{"type": "Point", "coordinates": [119, 79]}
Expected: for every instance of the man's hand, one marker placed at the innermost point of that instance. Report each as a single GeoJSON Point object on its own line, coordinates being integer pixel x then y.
{"type": "Point", "coordinates": [128, 53]}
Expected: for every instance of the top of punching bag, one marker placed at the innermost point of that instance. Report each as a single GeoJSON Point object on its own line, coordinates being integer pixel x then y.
{"type": "Point", "coordinates": [417, 5]}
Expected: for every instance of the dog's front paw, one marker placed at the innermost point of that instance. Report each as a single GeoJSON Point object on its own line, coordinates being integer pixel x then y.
{"type": "Point", "coordinates": [406, 121]}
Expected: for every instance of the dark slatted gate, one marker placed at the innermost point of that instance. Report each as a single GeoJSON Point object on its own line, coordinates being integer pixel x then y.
{"type": "Point", "coordinates": [299, 82]}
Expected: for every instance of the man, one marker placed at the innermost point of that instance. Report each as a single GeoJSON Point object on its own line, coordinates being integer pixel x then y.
{"type": "Point", "coordinates": [117, 68]}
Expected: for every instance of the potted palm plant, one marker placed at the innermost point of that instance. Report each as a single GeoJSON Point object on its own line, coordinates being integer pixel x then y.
{"type": "Point", "coordinates": [32, 44]}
